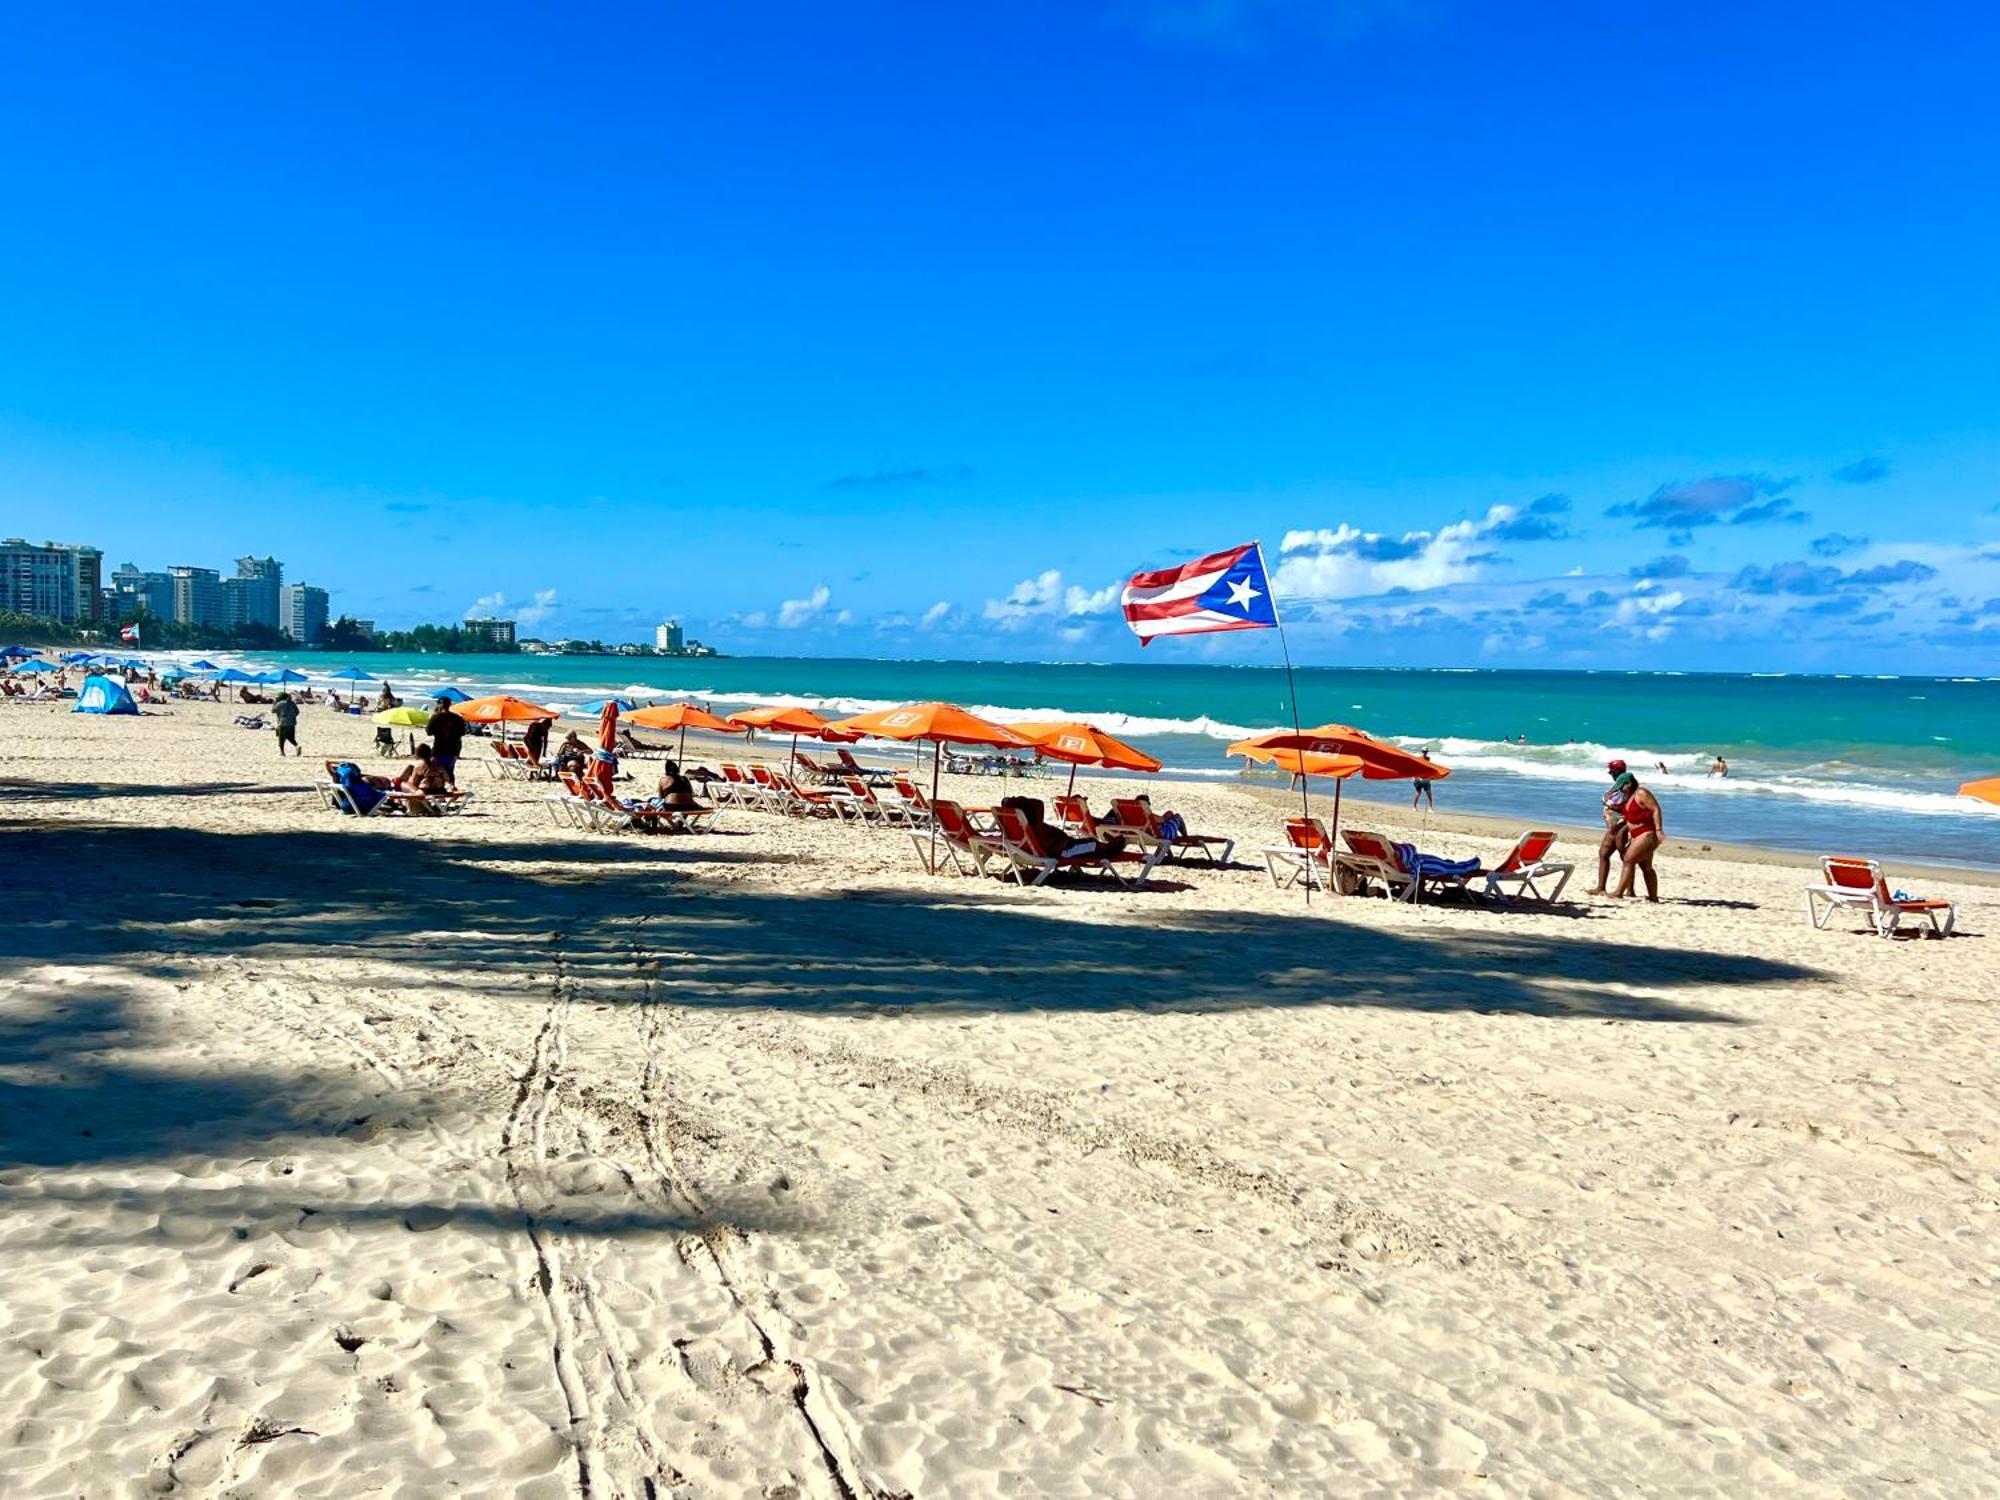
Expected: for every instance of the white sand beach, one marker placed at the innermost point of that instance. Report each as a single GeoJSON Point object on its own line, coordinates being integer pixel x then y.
{"type": "Point", "coordinates": [481, 1156]}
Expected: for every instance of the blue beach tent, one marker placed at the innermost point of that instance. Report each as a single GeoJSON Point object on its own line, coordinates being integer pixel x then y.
{"type": "Point", "coordinates": [100, 695]}
{"type": "Point", "coordinates": [449, 694]}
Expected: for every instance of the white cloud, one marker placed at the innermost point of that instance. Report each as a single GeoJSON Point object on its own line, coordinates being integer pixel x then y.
{"type": "Point", "coordinates": [540, 606]}
{"type": "Point", "coordinates": [794, 613]}
{"type": "Point", "coordinates": [1044, 598]}
{"type": "Point", "coordinates": [1082, 601]}
{"type": "Point", "coordinates": [935, 615]}
{"type": "Point", "coordinates": [1345, 562]}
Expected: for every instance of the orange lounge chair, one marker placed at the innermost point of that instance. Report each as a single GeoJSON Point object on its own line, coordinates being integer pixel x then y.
{"type": "Point", "coordinates": [1137, 819]}
{"type": "Point", "coordinates": [873, 775]}
{"type": "Point", "coordinates": [800, 803]}
{"type": "Point", "coordinates": [955, 834]}
{"type": "Point", "coordinates": [1073, 815]}
{"type": "Point", "coordinates": [1527, 864]}
{"type": "Point", "coordinates": [813, 771]}
{"type": "Point", "coordinates": [1029, 866]}
{"type": "Point", "coordinates": [1307, 854]}
{"type": "Point", "coordinates": [1859, 885]}
{"type": "Point", "coordinates": [1370, 856]}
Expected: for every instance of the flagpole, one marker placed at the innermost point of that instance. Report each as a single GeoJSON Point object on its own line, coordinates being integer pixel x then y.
{"type": "Point", "coordinates": [1292, 692]}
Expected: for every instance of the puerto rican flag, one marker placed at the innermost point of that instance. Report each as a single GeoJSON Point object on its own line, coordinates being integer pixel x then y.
{"type": "Point", "coordinates": [129, 633]}
{"type": "Point", "coordinates": [1223, 591]}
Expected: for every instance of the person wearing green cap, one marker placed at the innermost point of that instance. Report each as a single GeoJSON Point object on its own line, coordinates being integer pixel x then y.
{"type": "Point", "coordinates": [1623, 784]}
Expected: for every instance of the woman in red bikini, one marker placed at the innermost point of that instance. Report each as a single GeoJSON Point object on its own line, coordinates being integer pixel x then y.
{"type": "Point", "coordinates": [1645, 827]}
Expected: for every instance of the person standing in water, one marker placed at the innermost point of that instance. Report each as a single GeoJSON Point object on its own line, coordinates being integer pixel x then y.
{"type": "Point", "coordinates": [1645, 827]}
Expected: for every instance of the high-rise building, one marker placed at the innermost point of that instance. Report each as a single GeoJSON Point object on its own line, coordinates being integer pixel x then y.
{"type": "Point", "coordinates": [669, 638]}
{"type": "Point", "coordinates": [55, 580]}
{"type": "Point", "coordinates": [197, 596]}
{"type": "Point", "coordinates": [134, 593]}
{"type": "Point", "coordinates": [491, 633]}
{"type": "Point", "coordinates": [302, 613]}
{"type": "Point", "coordinates": [254, 598]}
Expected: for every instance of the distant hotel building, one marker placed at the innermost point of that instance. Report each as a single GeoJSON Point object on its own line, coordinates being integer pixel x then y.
{"type": "Point", "coordinates": [135, 594]}
{"type": "Point", "coordinates": [669, 638]}
{"type": "Point", "coordinates": [490, 633]}
{"type": "Point", "coordinates": [197, 596]}
{"type": "Point", "coordinates": [302, 613]}
{"type": "Point", "coordinates": [252, 596]}
{"type": "Point", "coordinates": [53, 580]}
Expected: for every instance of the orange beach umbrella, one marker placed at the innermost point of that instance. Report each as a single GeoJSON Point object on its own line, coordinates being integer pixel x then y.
{"type": "Point", "coordinates": [1380, 760]}
{"type": "Point", "coordinates": [941, 724]}
{"type": "Point", "coordinates": [681, 716]}
{"type": "Point", "coordinates": [1302, 762]}
{"type": "Point", "coordinates": [1084, 745]}
{"type": "Point", "coordinates": [502, 710]}
{"type": "Point", "coordinates": [1377, 760]}
{"type": "Point", "coordinates": [1986, 791]}
{"type": "Point", "coordinates": [793, 719]}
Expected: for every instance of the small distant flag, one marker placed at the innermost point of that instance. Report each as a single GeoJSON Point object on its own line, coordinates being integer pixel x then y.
{"type": "Point", "coordinates": [1223, 591]}
{"type": "Point", "coordinates": [129, 633]}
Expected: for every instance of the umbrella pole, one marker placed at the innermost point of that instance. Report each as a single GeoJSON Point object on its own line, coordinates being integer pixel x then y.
{"type": "Point", "coordinates": [792, 760]}
{"type": "Point", "coordinates": [1333, 839]}
{"type": "Point", "coordinates": [1072, 780]}
{"type": "Point", "coordinates": [682, 753]}
{"type": "Point", "coordinates": [937, 756]}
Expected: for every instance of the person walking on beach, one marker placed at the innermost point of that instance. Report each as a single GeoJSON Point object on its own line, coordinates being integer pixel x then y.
{"type": "Point", "coordinates": [1423, 788]}
{"type": "Point", "coordinates": [1623, 782]}
{"type": "Point", "coordinates": [1645, 828]}
{"type": "Point", "coordinates": [286, 713]}
{"type": "Point", "coordinates": [447, 735]}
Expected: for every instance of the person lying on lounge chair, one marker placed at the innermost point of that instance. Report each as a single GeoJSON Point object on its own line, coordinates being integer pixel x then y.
{"type": "Point", "coordinates": [1052, 842]}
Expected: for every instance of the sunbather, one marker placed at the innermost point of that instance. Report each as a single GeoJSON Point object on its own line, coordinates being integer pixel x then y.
{"type": "Point", "coordinates": [1052, 842]}
{"type": "Point", "coordinates": [676, 791]}
{"type": "Point", "coordinates": [572, 755]}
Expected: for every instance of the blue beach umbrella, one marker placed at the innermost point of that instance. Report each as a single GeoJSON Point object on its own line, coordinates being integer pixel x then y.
{"type": "Point", "coordinates": [75, 658]}
{"type": "Point", "coordinates": [34, 666]}
{"type": "Point", "coordinates": [203, 666]}
{"type": "Point", "coordinates": [449, 694]}
{"type": "Point", "coordinates": [353, 674]}
{"type": "Point", "coordinates": [232, 674]}
{"type": "Point", "coordinates": [13, 652]}
{"type": "Point", "coordinates": [284, 674]}
{"type": "Point", "coordinates": [596, 709]}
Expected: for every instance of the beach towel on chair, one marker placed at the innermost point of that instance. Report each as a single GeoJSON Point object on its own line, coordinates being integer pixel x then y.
{"type": "Point", "coordinates": [1434, 866]}
{"type": "Point", "coordinates": [347, 776]}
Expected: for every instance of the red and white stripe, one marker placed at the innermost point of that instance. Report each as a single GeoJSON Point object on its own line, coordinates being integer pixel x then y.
{"type": "Point", "coordinates": [1164, 602]}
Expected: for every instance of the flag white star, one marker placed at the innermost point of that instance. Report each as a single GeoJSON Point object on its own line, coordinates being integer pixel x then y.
{"type": "Point", "coordinates": [1241, 593]}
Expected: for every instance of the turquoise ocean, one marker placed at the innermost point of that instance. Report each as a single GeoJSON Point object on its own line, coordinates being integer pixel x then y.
{"type": "Point", "coordinates": [1822, 764]}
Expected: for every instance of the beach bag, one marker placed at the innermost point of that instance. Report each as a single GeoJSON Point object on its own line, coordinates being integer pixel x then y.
{"type": "Point", "coordinates": [1173, 826]}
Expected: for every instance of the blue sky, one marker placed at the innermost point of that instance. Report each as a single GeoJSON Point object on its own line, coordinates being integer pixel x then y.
{"type": "Point", "coordinates": [1642, 335]}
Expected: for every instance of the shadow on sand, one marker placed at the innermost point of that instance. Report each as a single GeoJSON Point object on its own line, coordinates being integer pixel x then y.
{"type": "Point", "coordinates": [114, 904]}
